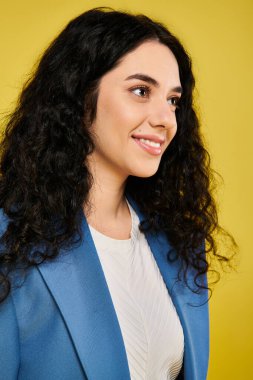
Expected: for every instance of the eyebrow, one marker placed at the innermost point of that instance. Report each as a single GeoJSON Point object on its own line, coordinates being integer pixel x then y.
{"type": "Point", "coordinates": [148, 79]}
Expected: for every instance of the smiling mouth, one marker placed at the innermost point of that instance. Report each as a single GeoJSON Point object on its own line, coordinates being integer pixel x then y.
{"type": "Point", "coordinates": [152, 144]}
{"type": "Point", "coordinates": [149, 146]}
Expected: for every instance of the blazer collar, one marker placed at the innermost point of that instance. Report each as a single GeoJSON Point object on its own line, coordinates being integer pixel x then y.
{"type": "Point", "coordinates": [78, 285]}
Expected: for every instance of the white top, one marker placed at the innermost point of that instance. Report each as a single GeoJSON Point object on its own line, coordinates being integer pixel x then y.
{"type": "Point", "coordinates": [151, 330]}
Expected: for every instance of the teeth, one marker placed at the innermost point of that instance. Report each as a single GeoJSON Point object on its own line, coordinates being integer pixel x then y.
{"type": "Point", "coordinates": [151, 143]}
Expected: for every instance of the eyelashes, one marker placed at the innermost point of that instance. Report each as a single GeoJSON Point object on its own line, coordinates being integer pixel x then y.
{"type": "Point", "coordinates": [144, 92]}
{"type": "Point", "coordinates": [174, 101]}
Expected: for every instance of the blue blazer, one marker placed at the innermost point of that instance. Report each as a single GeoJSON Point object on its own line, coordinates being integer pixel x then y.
{"type": "Point", "coordinates": [60, 324]}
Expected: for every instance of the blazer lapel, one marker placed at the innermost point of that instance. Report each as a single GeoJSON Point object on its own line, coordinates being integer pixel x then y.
{"type": "Point", "coordinates": [77, 283]}
{"type": "Point", "coordinates": [192, 308]}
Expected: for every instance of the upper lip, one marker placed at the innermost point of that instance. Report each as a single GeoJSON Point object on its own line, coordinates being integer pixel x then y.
{"type": "Point", "coordinates": [155, 138]}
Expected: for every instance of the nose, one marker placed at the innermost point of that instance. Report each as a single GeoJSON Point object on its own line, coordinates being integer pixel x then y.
{"type": "Point", "coordinates": [162, 115]}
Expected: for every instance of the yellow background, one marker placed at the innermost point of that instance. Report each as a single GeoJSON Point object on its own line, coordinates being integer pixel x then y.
{"type": "Point", "coordinates": [219, 37]}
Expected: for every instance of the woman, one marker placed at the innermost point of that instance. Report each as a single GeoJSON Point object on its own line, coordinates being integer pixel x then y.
{"type": "Point", "coordinates": [105, 139]}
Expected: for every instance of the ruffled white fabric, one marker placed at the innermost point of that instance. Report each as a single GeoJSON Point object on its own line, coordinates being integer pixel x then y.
{"type": "Point", "coordinates": [149, 323]}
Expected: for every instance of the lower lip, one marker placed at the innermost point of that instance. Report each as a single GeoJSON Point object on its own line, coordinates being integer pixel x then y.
{"type": "Point", "coordinates": [150, 149]}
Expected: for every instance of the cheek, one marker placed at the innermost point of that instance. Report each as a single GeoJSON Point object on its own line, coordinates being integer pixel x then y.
{"type": "Point", "coordinates": [114, 112]}
{"type": "Point", "coordinates": [172, 133]}
{"type": "Point", "coordinates": [128, 110]}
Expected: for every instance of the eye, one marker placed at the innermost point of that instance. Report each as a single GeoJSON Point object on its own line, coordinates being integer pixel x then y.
{"type": "Point", "coordinates": [174, 102]}
{"type": "Point", "coordinates": [141, 91]}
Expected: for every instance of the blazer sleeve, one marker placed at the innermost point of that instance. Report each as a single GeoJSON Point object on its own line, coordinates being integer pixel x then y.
{"type": "Point", "coordinates": [9, 341]}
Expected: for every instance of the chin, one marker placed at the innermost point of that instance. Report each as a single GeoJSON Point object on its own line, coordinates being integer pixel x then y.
{"type": "Point", "coordinates": [145, 172]}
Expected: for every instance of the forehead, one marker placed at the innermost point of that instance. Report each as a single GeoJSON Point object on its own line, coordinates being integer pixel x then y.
{"type": "Point", "coordinates": [151, 58]}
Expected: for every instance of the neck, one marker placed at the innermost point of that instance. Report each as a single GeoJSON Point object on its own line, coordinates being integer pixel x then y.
{"type": "Point", "coordinates": [106, 200]}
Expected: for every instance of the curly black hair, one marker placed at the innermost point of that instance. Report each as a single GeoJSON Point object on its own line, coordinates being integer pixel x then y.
{"type": "Point", "coordinates": [45, 179]}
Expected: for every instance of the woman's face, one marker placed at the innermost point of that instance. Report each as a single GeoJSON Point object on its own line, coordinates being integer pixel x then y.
{"type": "Point", "coordinates": [136, 120]}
